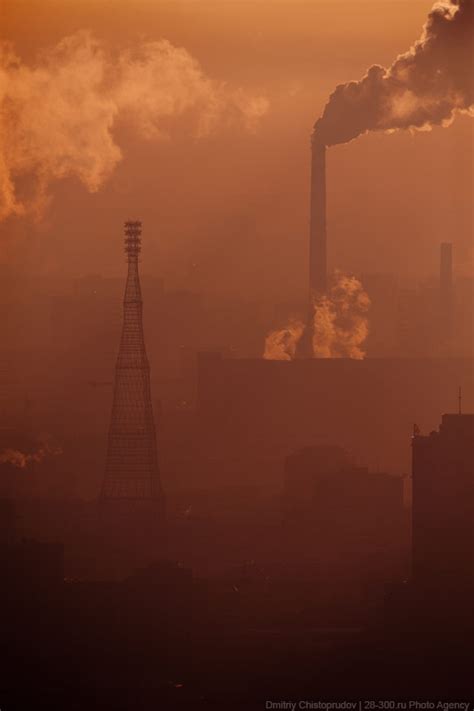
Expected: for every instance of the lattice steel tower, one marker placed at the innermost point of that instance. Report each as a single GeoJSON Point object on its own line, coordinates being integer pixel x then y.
{"type": "Point", "coordinates": [131, 471]}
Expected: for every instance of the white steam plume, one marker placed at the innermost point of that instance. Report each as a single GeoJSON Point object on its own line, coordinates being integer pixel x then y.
{"type": "Point", "coordinates": [339, 327]}
{"type": "Point", "coordinates": [424, 87]}
{"type": "Point", "coordinates": [282, 344]}
{"type": "Point", "coordinates": [340, 324]}
{"type": "Point", "coordinates": [57, 117]}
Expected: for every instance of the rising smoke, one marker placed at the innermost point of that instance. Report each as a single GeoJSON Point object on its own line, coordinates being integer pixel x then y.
{"type": "Point", "coordinates": [339, 325]}
{"type": "Point", "coordinates": [282, 344]}
{"type": "Point", "coordinates": [21, 460]}
{"type": "Point", "coordinates": [426, 86]}
{"type": "Point", "coordinates": [57, 118]}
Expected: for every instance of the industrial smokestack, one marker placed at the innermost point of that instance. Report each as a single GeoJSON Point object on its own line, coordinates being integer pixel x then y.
{"type": "Point", "coordinates": [317, 244]}
{"type": "Point", "coordinates": [336, 325]}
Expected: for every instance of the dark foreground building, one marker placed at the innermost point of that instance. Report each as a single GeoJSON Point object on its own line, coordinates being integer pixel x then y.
{"type": "Point", "coordinates": [161, 638]}
{"type": "Point", "coordinates": [443, 505]}
{"type": "Point", "coordinates": [437, 599]}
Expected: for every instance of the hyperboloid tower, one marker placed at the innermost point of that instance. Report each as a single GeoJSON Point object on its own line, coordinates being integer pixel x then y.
{"type": "Point", "coordinates": [132, 476]}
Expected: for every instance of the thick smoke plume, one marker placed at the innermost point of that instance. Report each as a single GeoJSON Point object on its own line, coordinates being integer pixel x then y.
{"type": "Point", "coordinates": [340, 323]}
{"type": "Point", "coordinates": [282, 344]}
{"type": "Point", "coordinates": [339, 329]}
{"type": "Point", "coordinates": [426, 86]}
{"type": "Point", "coordinates": [57, 118]}
{"type": "Point", "coordinates": [21, 460]}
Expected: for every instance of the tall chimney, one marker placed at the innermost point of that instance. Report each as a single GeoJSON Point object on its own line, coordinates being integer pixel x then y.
{"type": "Point", "coordinates": [317, 244]}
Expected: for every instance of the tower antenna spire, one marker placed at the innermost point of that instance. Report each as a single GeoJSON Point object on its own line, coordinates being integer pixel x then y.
{"type": "Point", "coordinates": [131, 470]}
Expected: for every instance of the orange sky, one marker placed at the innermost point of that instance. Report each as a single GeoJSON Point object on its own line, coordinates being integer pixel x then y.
{"type": "Point", "coordinates": [236, 202]}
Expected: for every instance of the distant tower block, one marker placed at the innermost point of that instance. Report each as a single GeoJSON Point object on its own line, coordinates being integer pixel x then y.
{"type": "Point", "coordinates": [131, 472]}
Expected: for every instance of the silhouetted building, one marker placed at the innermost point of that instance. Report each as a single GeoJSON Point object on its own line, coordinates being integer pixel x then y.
{"type": "Point", "coordinates": [341, 501]}
{"type": "Point", "coordinates": [437, 599]}
{"type": "Point", "coordinates": [443, 504]}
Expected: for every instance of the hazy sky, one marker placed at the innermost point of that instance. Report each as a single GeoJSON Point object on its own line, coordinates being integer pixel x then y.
{"type": "Point", "coordinates": [235, 201]}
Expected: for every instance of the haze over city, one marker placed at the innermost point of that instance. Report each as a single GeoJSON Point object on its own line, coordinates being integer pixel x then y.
{"type": "Point", "coordinates": [236, 362]}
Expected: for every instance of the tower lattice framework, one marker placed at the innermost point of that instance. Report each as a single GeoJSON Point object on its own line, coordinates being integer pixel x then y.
{"type": "Point", "coordinates": [131, 471]}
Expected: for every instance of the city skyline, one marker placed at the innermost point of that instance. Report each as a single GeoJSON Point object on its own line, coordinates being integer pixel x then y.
{"type": "Point", "coordinates": [237, 466]}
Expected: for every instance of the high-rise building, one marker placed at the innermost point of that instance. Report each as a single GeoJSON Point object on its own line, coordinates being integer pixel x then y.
{"type": "Point", "coordinates": [443, 505]}
{"type": "Point", "coordinates": [131, 473]}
